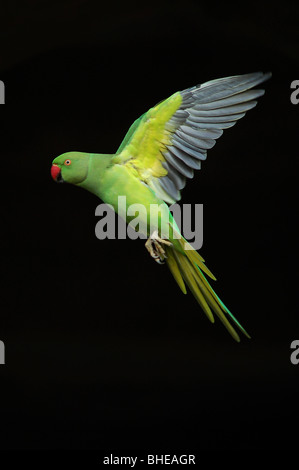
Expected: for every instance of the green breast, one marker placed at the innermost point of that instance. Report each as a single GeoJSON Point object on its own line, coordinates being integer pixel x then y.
{"type": "Point", "coordinates": [131, 198]}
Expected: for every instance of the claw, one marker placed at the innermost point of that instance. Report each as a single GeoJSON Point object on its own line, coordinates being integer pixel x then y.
{"type": "Point", "coordinates": [155, 248]}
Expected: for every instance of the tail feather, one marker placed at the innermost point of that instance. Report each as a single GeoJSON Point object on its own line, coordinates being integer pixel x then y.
{"type": "Point", "coordinates": [192, 254]}
{"type": "Point", "coordinates": [187, 265]}
{"type": "Point", "coordinates": [172, 264]}
{"type": "Point", "coordinates": [190, 279]}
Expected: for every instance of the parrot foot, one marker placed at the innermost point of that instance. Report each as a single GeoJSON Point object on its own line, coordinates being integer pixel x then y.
{"type": "Point", "coordinates": [155, 248]}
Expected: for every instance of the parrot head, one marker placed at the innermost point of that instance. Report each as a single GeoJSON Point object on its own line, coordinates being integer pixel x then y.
{"type": "Point", "coordinates": [70, 167]}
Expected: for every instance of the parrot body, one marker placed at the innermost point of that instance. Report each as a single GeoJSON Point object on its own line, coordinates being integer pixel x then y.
{"type": "Point", "coordinates": [161, 149]}
{"type": "Point", "coordinates": [118, 180]}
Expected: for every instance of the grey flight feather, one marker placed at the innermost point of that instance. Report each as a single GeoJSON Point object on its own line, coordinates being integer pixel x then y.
{"type": "Point", "coordinates": [205, 111]}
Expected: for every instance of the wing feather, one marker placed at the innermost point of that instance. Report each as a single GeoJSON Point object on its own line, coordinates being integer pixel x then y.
{"type": "Point", "coordinates": [168, 143]}
{"type": "Point", "coordinates": [179, 165]}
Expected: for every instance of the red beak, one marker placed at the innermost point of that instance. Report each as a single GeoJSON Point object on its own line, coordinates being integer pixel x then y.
{"type": "Point", "coordinates": [55, 172]}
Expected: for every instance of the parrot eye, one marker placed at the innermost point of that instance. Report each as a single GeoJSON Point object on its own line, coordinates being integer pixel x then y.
{"type": "Point", "coordinates": [67, 162]}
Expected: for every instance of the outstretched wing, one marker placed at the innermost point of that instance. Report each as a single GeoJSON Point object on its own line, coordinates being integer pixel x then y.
{"type": "Point", "coordinates": [166, 144]}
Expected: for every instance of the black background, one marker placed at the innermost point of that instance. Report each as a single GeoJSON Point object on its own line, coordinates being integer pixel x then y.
{"type": "Point", "coordinates": [102, 349]}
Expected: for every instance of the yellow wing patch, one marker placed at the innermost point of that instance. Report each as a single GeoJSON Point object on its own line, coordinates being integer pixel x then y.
{"type": "Point", "coordinates": [144, 152]}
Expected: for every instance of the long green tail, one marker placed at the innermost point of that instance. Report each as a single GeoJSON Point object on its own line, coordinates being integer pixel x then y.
{"type": "Point", "coordinates": [187, 266]}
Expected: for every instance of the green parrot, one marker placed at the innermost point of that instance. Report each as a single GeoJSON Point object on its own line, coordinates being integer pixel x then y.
{"type": "Point", "coordinates": [159, 152]}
